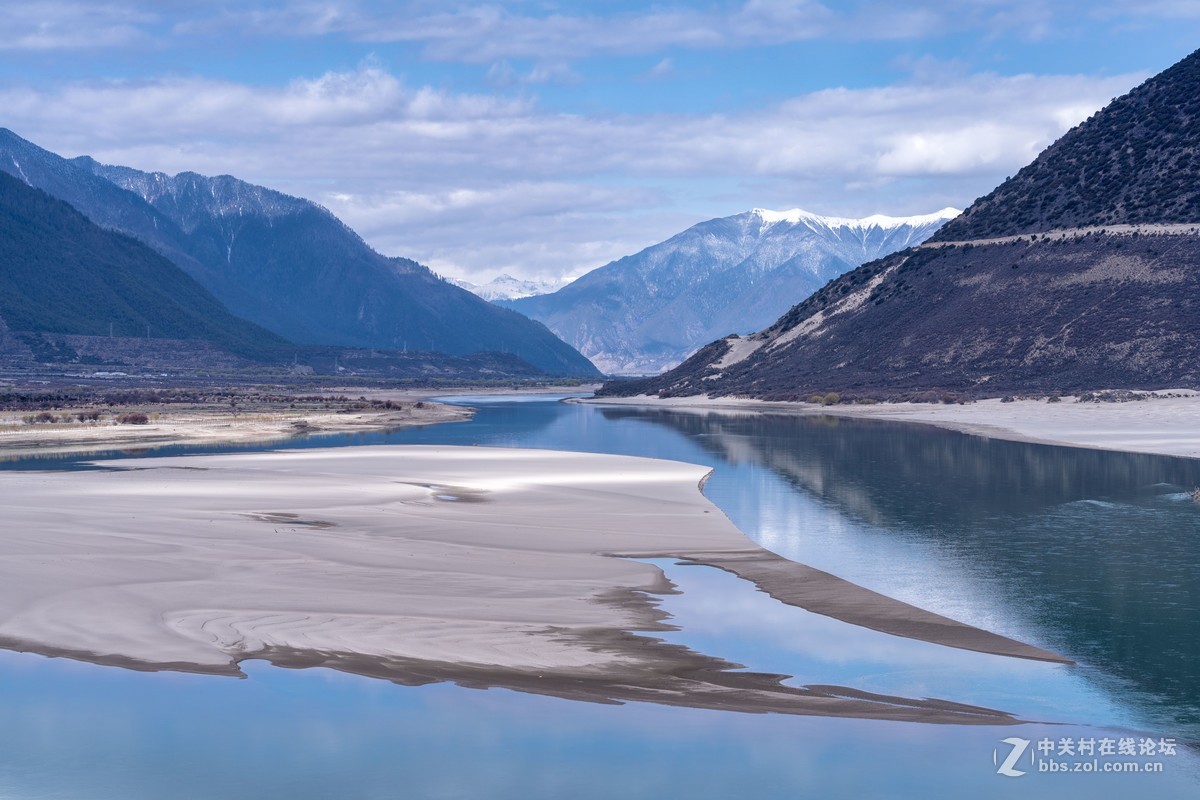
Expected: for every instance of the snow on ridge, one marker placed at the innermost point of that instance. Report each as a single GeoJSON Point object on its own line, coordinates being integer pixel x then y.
{"type": "Point", "coordinates": [797, 215]}
{"type": "Point", "coordinates": [220, 195]}
{"type": "Point", "coordinates": [507, 287]}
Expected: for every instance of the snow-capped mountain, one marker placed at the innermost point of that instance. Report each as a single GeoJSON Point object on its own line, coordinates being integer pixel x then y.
{"type": "Point", "coordinates": [647, 312]}
{"type": "Point", "coordinates": [1076, 274]}
{"type": "Point", "coordinates": [506, 287]}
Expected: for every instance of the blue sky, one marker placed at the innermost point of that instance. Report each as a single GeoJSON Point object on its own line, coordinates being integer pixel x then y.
{"type": "Point", "coordinates": [547, 138]}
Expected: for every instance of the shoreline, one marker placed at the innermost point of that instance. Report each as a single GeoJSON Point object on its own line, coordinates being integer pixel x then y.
{"type": "Point", "coordinates": [257, 421]}
{"type": "Point", "coordinates": [1168, 426]}
{"type": "Point", "coordinates": [420, 564]}
{"type": "Point", "coordinates": [168, 426]}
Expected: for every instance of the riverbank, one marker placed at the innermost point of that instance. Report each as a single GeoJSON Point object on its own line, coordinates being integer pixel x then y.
{"type": "Point", "coordinates": [1162, 425]}
{"type": "Point", "coordinates": [73, 430]}
{"type": "Point", "coordinates": [481, 566]}
{"type": "Point", "coordinates": [81, 419]}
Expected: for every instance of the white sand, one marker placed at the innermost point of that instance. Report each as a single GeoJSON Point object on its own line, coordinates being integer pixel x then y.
{"type": "Point", "coordinates": [192, 560]}
{"type": "Point", "coordinates": [413, 563]}
{"type": "Point", "coordinates": [1163, 425]}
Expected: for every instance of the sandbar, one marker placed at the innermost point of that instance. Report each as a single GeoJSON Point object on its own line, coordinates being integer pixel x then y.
{"type": "Point", "coordinates": [488, 567]}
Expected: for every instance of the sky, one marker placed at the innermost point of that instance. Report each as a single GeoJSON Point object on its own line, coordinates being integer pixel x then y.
{"type": "Point", "coordinates": [544, 139]}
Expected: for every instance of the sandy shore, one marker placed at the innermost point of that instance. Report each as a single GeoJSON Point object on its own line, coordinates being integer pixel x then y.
{"type": "Point", "coordinates": [1162, 425]}
{"type": "Point", "coordinates": [483, 566]}
{"type": "Point", "coordinates": [169, 426]}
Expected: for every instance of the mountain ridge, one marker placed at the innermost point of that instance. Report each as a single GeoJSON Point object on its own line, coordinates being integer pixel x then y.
{"type": "Point", "coordinates": [650, 310]}
{"type": "Point", "coordinates": [1077, 274]}
{"type": "Point", "coordinates": [63, 274]}
{"type": "Point", "coordinates": [1139, 165]}
{"type": "Point", "coordinates": [380, 301]}
{"type": "Point", "coordinates": [286, 264]}
{"type": "Point", "coordinates": [507, 287]}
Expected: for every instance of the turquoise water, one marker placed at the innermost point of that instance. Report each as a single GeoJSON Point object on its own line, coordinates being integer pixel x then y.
{"type": "Point", "coordinates": [1088, 553]}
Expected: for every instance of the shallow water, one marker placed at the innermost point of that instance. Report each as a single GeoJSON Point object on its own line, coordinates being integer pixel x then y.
{"type": "Point", "coordinates": [1088, 553]}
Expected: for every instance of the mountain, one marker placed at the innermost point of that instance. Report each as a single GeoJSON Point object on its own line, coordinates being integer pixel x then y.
{"type": "Point", "coordinates": [60, 273]}
{"type": "Point", "coordinates": [293, 267]}
{"type": "Point", "coordinates": [647, 312]}
{"type": "Point", "coordinates": [287, 264]}
{"type": "Point", "coordinates": [1134, 162]}
{"type": "Point", "coordinates": [506, 287]}
{"type": "Point", "coordinates": [1078, 273]}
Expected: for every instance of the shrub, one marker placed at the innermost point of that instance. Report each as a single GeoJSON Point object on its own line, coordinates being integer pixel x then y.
{"type": "Point", "coordinates": [88, 416]}
{"type": "Point", "coordinates": [817, 399]}
{"type": "Point", "coordinates": [831, 399]}
{"type": "Point", "coordinates": [132, 419]}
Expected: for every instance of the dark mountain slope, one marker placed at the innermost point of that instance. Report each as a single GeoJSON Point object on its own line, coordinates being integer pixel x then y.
{"type": "Point", "coordinates": [101, 201]}
{"type": "Point", "coordinates": [1136, 161]}
{"type": "Point", "coordinates": [1042, 312]}
{"type": "Point", "coordinates": [61, 273]}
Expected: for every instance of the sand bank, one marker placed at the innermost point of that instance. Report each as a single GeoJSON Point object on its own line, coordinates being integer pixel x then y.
{"type": "Point", "coordinates": [1163, 425]}
{"type": "Point", "coordinates": [170, 426]}
{"type": "Point", "coordinates": [483, 566]}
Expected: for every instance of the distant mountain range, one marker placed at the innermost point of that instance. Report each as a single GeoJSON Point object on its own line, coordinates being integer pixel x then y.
{"type": "Point", "coordinates": [74, 294]}
{"type": "Point", "coordinates": [506, 287]}
{"type": "Point", "coordinates": [60, 273]}
{"type": "Point", "coordinates": [647, 312]}
{"type": "Point", "coordinates": [1078, 273]}
{"type": "Point", "coordinates": [287, 264]}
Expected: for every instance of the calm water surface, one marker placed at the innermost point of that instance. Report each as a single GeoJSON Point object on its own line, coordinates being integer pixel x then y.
{"type": "Point", "coordinates": [1088, 553]}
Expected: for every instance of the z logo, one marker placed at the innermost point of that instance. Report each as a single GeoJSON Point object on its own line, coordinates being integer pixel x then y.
{"type": "Point", "coordinates": [1019, 746]}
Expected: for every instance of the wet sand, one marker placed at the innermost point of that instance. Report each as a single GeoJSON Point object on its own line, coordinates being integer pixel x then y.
{"type": "Point", "coordinates": [481, 566]}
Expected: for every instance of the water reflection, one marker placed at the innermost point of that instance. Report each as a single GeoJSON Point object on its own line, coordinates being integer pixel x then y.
{"type": "Point", "coordinates": [75, 731]}
{"type": "Point", "coordinates": [720, 612]}
{"type": "Point", "coordinates": [1093, 553]}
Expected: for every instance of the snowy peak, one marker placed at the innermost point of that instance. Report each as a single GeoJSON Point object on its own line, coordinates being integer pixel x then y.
{"type": "Point", "coordinates": [856, 240]}
{"type": "Point", "coordinates": [799, 215]}
{"type": "Point", "coordinates": [506, 287]}
{"type": "Point", "coordinates": [648, 311]}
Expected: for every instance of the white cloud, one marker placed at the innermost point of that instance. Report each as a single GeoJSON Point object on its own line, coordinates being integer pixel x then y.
{"type": "Point", "coordinates": [72, 26]}
{"type": "Point", "coordinates": [536, 229]}
{"type": "Point", "coordinates": [498, 31]}
{"type": "Point", "coordinates": [550, 33]}
{"type": "Point", "coordinates": [485, 34]}
{"type": "Point", "coordinates": [1143, 9]}
{"type": "Point", "coordinates": [503, 75]}
{"type": "Point", "coordinates": [476, 185]}
{"type": "Point", "coordinates": [663, 69]}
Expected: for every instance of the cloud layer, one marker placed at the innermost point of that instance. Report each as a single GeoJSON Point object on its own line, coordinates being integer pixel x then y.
{"type": "Point", "coordinates": [477, 184]}
{"type": "Point", "coordinates": [485, 33]}
{"type": "Point", "coordinates": [545, 138]}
